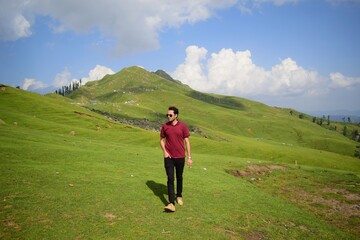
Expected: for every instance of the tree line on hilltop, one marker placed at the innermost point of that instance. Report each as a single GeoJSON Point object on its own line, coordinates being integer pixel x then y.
{"type": "Point", "coordinates": [351, 133]}
{"type": "Point", "coordinates": [67, 89]}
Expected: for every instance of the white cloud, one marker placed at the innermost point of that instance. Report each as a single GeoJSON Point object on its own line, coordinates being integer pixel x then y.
{"type": "Point", "coordinates": [338, 80]}
{"type": "Point", "coordinates": [234, 73]}
{"type": "Point", "coordinates": [133, 25]}
{"type": "Point", "coordinates": [287, 78]}
{"type": "Point", "coordinates": [62, 79]}
{"type": "Point", "coordinates": [32, 84]}
{"type": "Point", "coordinates": [276, 2]}
{"type": "Point", "coordinates": [125, 21]}
{"type": "Point", "coordinates": [191, 72]}
{"type": "Point", "coordinates": [337, 2]}
{"type": "Point", "coordinates": [247, 6]}
{"type": "Point", "coordinates": [13, 24]}
{"type": "Point", "coordinates": [97, 73]}
{"type": "Point", "coordinates": [65, 79]}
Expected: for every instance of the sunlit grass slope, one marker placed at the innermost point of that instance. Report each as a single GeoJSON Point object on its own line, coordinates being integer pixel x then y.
{"type": "Point", "coordinates": [107, 180]}
{"type": "Point", "coordinates": [134, 93]}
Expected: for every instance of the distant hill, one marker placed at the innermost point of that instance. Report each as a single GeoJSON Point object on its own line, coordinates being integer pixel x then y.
{"type": "Point", "coordinates": [136, 96]}
{"type": "Point", "coordinates": [339, 115]}
{"type": "Point", "coordinates": [345, 118]}
{"type": "Point", "coordinates": [163, 74]}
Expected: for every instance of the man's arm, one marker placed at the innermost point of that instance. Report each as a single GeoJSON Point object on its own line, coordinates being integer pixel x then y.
{"type": "Point", "coordinates": [188, 150]}
{"type": "Point", "coordinates": [162, 144]}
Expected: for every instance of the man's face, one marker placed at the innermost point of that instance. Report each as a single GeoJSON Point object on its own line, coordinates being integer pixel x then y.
{"type": "Point", "coordinates": [171, 116]}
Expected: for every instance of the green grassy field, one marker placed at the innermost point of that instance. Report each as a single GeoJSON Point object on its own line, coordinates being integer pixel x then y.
{"type": "Point", "coordinates": [108, 181]}
{"type": "Point", "coordinates": [135, 93]}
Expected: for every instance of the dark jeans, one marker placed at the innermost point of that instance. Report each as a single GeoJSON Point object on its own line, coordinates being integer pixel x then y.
{"type": "Point", "coordinates": [178, 164]}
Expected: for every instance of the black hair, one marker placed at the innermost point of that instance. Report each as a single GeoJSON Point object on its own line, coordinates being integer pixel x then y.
{"type": "Point", "coordinates": [173, 108]}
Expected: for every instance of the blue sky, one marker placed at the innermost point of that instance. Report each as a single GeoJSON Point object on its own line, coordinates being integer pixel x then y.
{"type": "Point", "coordinates": [289, 53]}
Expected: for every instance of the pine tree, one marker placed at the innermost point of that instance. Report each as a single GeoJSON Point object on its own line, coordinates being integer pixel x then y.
{"type": "Point", "coordinates": [345, 131]}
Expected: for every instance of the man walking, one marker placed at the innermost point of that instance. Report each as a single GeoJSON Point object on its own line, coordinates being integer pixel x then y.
{"type": "Point", "coordinates": [173, 135]}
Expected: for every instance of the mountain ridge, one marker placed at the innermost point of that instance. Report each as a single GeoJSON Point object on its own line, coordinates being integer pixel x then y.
{"type": "Point", "coordinates": [137, 94]}
{"type": "Point", "coordinates": [138, 97]}
{"type": "Point", "coordinates": [253, 131]}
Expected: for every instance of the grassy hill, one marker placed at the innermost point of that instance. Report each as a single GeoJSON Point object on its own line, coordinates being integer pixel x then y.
{"type": "Point", "coordinates": [135, 93]}
{"type": "Point", "coordinates": [259, 172]}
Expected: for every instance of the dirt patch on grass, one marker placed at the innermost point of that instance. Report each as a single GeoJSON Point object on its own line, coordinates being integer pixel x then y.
{"type": "Point", "coordinates": [257, 170]}
{"type": "Point", "coordinates": [254, 236]}
{"type": "Point", "coordinates": [110, 216]}
{"type": "Point", "coordinates": [346, 194]}
{"type": "Point", "coordinates": [340, 208]}
{"type": "Point", "coordinates": [343, 203]}
{"type": "Point", "coordinates": [11, 224]}
{"type": "Point", "coordinates": [331, 196]}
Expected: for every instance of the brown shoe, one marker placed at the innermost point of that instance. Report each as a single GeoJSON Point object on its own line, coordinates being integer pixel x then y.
{"type": "Point", "coordinates": [170, 208]}
{"type": "Point", "coordinates": [180, 201]}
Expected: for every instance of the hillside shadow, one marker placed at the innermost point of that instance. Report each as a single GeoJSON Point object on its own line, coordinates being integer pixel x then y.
{"type": "Point", "coordinates": [158, 189]}
{"type": "Point", "coordinates": [221, 101]}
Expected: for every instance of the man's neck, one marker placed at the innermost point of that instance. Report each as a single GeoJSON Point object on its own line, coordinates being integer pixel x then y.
{"type": "Point", "coordinates": [174, 122]}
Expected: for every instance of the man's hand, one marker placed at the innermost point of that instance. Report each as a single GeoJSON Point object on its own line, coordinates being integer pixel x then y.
{"type": "Point", "coordinates": [190, 162]}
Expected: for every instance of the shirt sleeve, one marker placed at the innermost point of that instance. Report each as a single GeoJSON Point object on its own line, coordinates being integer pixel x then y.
{"type": "Point", "coordinates": [186, 132]}
{"type": "Point", "coordinates": [162, 132]}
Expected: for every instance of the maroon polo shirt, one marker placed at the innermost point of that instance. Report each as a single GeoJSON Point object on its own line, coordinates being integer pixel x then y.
{"type": "Point", "coordinates": [175, 138]}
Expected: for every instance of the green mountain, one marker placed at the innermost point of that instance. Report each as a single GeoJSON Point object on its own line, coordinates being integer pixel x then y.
{"type": "Point", "coordinates": [163, 74]}
{"type": "Point", "coordinates": [89, 166]}
{"type": "Point", "coordinates": [136, 94]}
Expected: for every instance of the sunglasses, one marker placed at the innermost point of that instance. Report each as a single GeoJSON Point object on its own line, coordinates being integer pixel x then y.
{"type": "Point", "coordinates": [169, 115]}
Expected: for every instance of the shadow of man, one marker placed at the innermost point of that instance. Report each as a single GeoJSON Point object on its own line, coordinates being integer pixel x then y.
{"type": "Point", "coordinates": [158, 189]}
